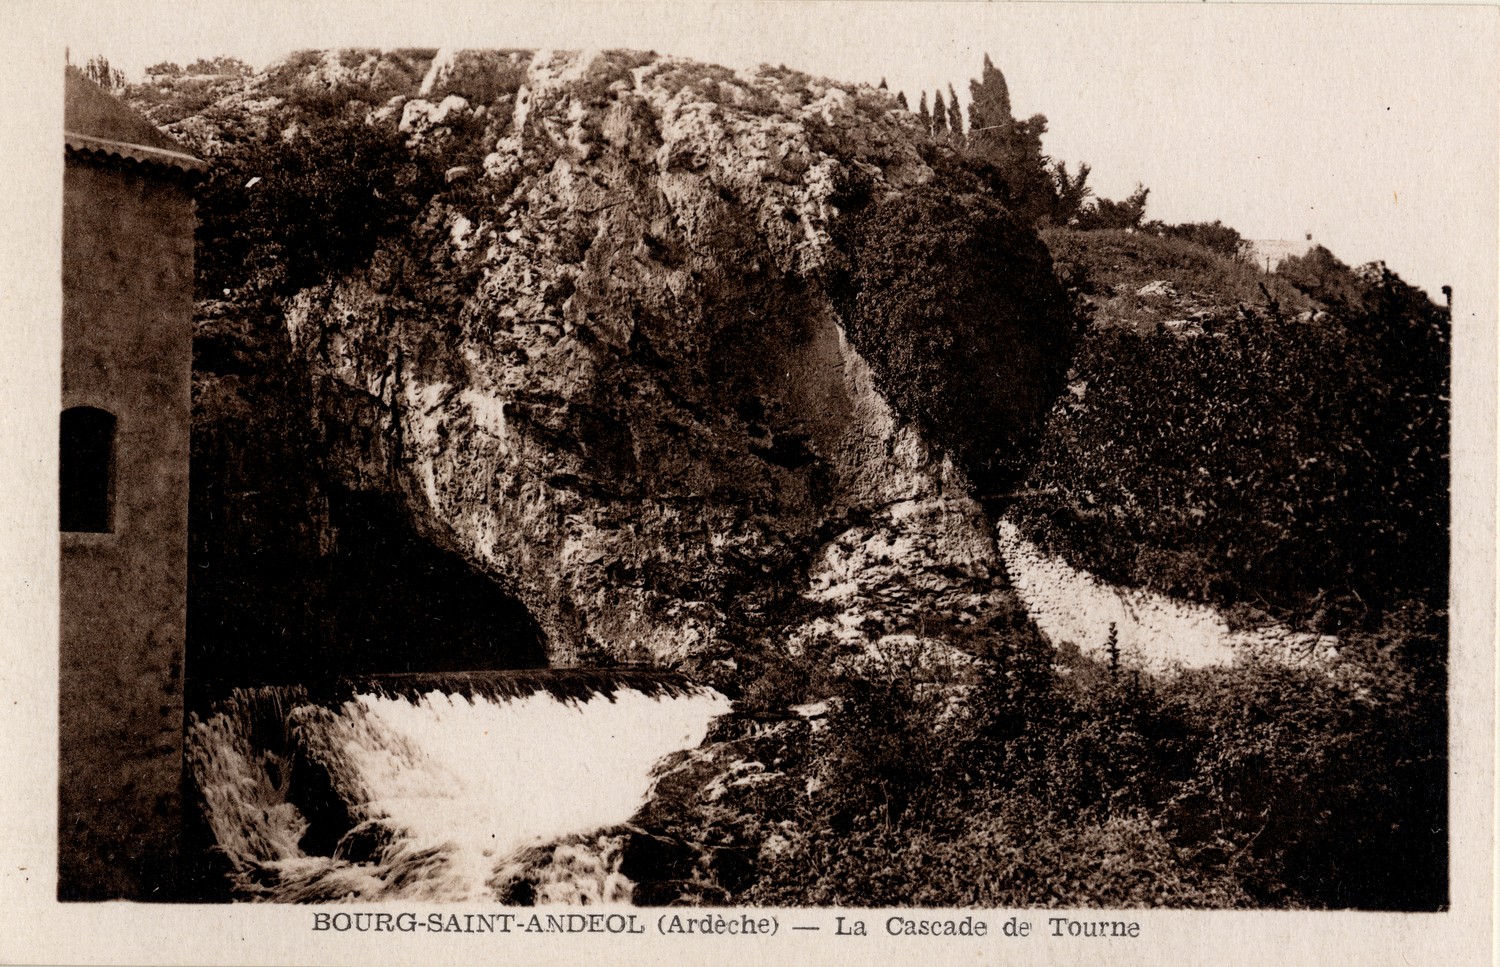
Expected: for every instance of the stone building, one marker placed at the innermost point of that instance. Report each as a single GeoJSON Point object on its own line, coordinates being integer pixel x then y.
{"type": "Point", "coordinates": [1267, 253]}
{"type": "Point", "coordinates": [127, 273]}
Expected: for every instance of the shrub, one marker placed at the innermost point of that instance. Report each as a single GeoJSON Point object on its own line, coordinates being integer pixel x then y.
{"type": "Point", "coordinates": [211, 65]}
{"type": "Point", "coordinates": [1256, 785]}
{"type": "Point", "coordinates": [1321, 275]}
{"type": "Point", "coordinates": [1106, 213]}
{"type": "Point", "coordinates": [320, 201]}
{"type": "Point", "coordinates": [484, 77]}
{"type": "Point", "coordinates": [1324, 789]}
{"type": "Point", "coordinates": [1214, 236]}
{"type": "Point", "coordinates": [955, 306]}
{"type": "Point", "coordinates": [1301, 466]}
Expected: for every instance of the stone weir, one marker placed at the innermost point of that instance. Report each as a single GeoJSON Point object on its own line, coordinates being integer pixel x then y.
{"type": "Point", "coordinates": [429, 787]}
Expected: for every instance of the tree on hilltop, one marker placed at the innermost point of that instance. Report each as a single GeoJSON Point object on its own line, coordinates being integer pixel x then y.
{"type": "Point", "coordinates": [989, 97]}
{"type": "Point", "coordinates": [946, 120]}
{"type": "Point", "coordinates": [1071, 191]}
{"type": "Point", "coordinates": [1007, 152]}
{"type": "Point", "coordinates": [955, 117]}
{"type": "Point", "coordinates": [1012, 146]}
{"type": "Point", "coordinates": [1106, 213]}
{"type": "Point", "coordinates": [100, 72]}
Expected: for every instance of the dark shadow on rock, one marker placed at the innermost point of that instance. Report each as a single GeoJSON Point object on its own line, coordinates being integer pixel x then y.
{"type": "Point", "coordinates": [381, 599]}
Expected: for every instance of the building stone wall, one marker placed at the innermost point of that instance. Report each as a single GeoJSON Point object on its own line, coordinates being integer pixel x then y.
{"type": "Point", "coordinates": [127, 348]}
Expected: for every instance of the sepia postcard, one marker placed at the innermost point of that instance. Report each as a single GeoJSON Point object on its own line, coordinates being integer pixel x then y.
{"type": "Point", "coordinates": [749, 482]}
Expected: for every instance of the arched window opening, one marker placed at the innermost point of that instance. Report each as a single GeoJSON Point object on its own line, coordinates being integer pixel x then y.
{"type": "Point", "coordinates": [87, 469]}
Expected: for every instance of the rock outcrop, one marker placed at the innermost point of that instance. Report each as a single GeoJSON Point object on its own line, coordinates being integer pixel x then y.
{"type": "Point", "coordinates": [602, 366]}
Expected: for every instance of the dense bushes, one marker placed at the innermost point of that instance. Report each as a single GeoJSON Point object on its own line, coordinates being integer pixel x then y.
{"type": "Point", "coordinates": [955, 306]}
{"type": "Point", "coordinates": [1105, 214]}
{"type": "Point", "coordinates": [1301, 466]}
{"type": "Point", "coordinates": [286, 212]}
{"type": "Point", "coordinates": [304, 179]}
{"type": "Point", "coordinates": [1214, 236]}
{"type": "Point", "coordinates": [1322, 276]}
{"type": "Point", "coordinates": [1258, 785]}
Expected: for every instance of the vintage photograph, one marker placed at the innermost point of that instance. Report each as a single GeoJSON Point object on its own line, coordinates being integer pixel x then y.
{"type": "Point", "coordinates": [961, 458]}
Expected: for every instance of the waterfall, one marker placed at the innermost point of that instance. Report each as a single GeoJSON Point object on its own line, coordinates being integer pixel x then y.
{"type": "Point", "coordinates": [434, 787]}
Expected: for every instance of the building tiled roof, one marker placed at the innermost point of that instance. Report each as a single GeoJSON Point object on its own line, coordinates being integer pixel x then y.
{"type": "Point", "coordinates": [124, 151]}
{"type": "Point", "coordinates": [97, 124]}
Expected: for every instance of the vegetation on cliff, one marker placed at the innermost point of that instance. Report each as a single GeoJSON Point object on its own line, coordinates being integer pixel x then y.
{"type": "Point", "coordinates": [954, 304]}
{"type": "Point", "coordinates": [1281, 449]}
{"type": "Point", "coordinates": [282, 213]}
{"type": "Point", "coordinates": [1253, 453]}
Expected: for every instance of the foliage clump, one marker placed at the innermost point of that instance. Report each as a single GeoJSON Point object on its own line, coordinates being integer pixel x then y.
{"type": "Point", "coordinates": [1322, 276]}
{"type": "Point", "coordinates": [307, 173]}
{"type": "Point", "coordinates": [99, 70]}
{"type": "Point", "coordinates": [954, 304]}
{"type": "Point", "coordinates": [1105, 214]}
{"type": "Point", "coordinates": [1036, 782]}
{"type": "Point", "coordinates": [1214, 236]}
{"type": "Point", "coordinates": [1301, 466]}
{"type": "Point", "coordinates": [287, 212]}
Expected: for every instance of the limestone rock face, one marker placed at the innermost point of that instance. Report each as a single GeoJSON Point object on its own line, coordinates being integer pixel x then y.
{"type": "Point", "coordinates": [603, 368]}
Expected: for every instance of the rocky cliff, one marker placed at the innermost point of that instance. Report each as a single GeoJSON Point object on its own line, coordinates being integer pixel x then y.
{"type": "Point", "coordinates": [600, 363]}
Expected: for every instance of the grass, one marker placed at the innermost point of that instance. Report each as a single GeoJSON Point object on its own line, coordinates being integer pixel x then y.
{"type": "Point", "coordinates": [1109, 267]}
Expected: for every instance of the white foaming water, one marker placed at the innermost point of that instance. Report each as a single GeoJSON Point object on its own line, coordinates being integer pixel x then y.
{"type": "Point", "coordinates": [575, 767]}
{"type": "Point", "coordinates": [1156, 632]}
{"type": "Point", "coordinates": [440, 792]}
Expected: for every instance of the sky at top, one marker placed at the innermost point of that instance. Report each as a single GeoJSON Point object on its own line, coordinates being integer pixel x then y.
{"type": "Point", "coordinates": [1372, 128]}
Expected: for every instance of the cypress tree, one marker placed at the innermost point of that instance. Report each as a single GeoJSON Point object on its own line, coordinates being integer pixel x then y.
{"type": "Point", "coordinates": [939, 115]}
{"type": "Point", "coordinates": [955, 117]}
{"type": "Point", "coordinates": [989, 100]}
{"type": "Point", "coordinates": [924, 114]}
{"type": "Point", "coordinates": [1013, 147]}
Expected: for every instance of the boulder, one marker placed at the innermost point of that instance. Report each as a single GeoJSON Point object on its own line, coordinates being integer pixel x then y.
{"type": "Point", "coordinates": [1183, 327]}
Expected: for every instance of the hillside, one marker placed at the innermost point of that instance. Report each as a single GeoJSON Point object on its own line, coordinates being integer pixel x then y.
{"type": "Point", "coordinates": [1147, 282]}
{"type": "Point", "coordinates": [1266, 442]}
{"type": "Point", "coordinates": [508, 359]}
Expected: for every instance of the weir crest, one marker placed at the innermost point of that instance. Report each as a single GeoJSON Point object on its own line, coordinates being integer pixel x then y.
{"type": "Point", "coordinates": [430, 787]}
